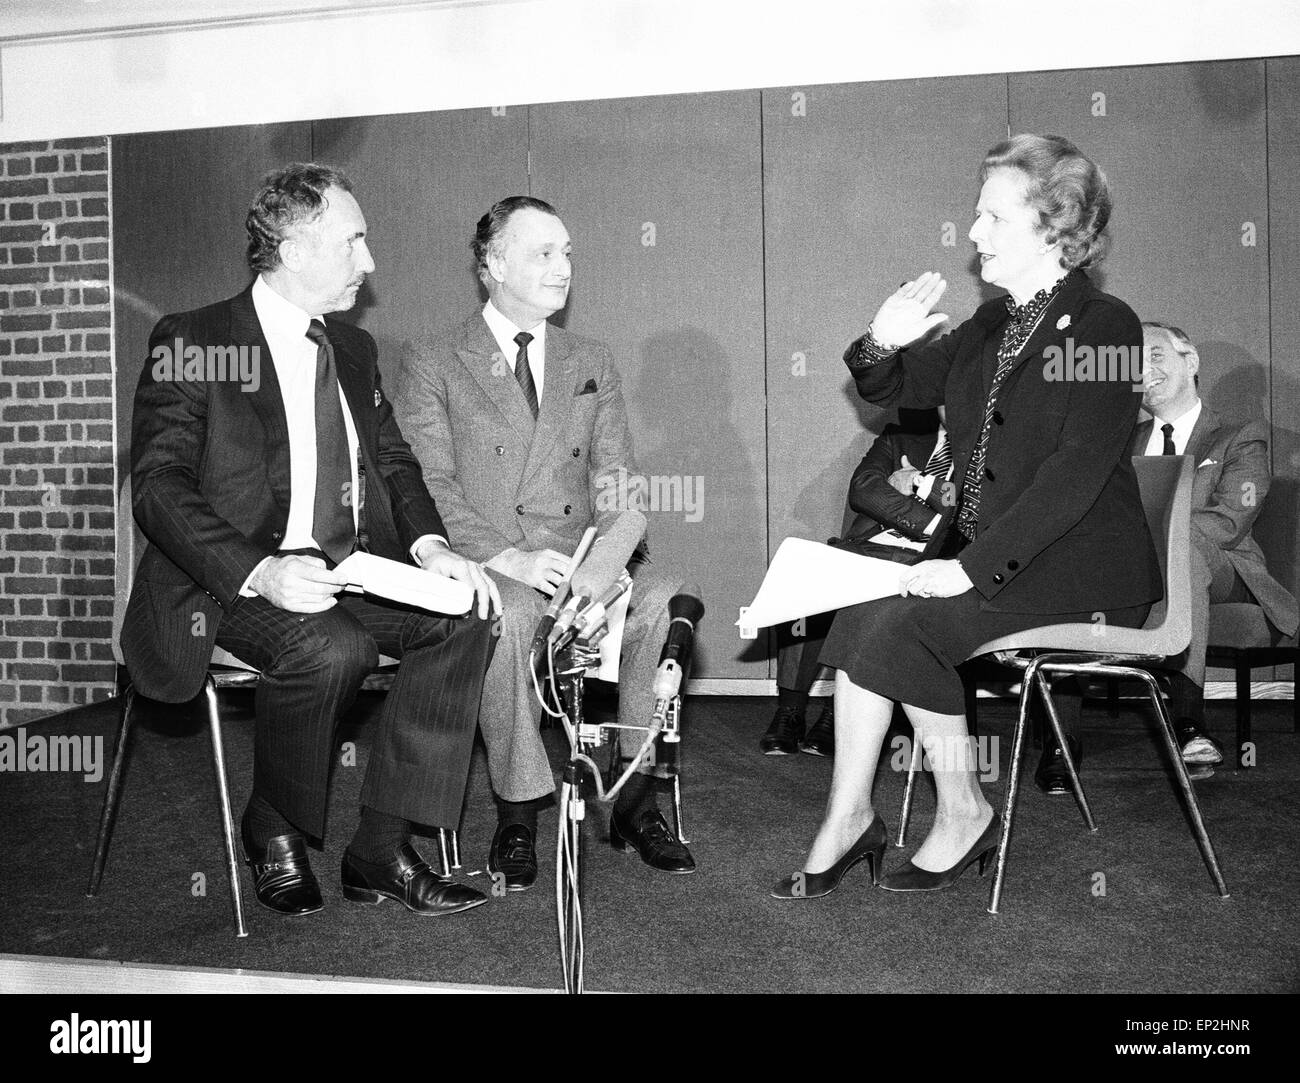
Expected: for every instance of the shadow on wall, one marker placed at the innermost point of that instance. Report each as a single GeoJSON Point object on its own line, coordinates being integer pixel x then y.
{"type": "Point", "coordinates": [681, 404]}
{"type": "Point", "coordinates": [1223, 95]}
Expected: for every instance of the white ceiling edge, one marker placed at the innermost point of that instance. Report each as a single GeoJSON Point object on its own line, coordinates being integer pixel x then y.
{"type": "Point", "coordinates": [512, 52]}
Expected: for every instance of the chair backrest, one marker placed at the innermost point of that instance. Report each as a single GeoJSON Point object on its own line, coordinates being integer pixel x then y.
{"type": "Point", "coordinates": [1165, 482]}
{"type": "Point", "coordinates": [127, 557]}
{"type": "Point", "coordinates": [130, 548]}
{"type": "Point", "coordinates": [1275, 531]}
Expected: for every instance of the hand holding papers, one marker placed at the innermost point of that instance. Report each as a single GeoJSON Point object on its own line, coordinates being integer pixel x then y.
{"type": "Point", "coordinates": [405, 583]}
{"type": "Point", "coordinates": [808, 577]}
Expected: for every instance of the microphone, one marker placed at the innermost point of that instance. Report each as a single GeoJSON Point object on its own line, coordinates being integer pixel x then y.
{"type": "Point", "coordinates": [593, 616]}
{"type": "Point", "coordinates": [610, 554]}
{"type": "Point", "coordinates": [564, 622]}
{"type": "Point", "coordinates": [544, 626]}
{"type": "Point", "coordinates": [685, 609]}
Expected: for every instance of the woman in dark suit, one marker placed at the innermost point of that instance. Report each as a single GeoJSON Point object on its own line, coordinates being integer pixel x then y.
{"type": "Point", "coordinates": [1046, 523]}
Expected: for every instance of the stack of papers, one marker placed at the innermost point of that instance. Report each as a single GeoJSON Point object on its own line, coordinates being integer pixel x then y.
{"type": "Point", "coordinates": [406, 583]}
{"type": "Point", "coordinates": [807, 577]}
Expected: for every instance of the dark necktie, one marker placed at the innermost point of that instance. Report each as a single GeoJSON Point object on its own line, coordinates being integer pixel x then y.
{"type": "Point", "coordinates": [940, 458]}
{"type": "Point", "coordinates": [1168, 429]}
{"type": "Point", "coordinates": [333, 527]}
{"type": "Point", "coordinates": [523, 373]}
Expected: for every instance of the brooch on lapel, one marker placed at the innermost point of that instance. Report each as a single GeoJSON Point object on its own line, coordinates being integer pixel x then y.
{"type": "Point", "coordinates": [589, 388]}
{"type": "Point", "coordinates": [1063, 322]}
{"type": "Point", "coordinates": [378, 397]}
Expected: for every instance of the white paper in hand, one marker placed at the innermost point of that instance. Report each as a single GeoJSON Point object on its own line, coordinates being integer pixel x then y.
{"type": "Point", "coordinates": [807, 577]}
{"type": "Point", "coordinates": [406, 583]}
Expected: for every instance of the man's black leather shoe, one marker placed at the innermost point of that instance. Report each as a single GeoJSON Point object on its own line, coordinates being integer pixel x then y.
{"type": "Point", "coordinates": [647, 832]}
{"type": "Point", "coordinates": [282, 877]}
{"type": "Point", "coordinates": [514, 855]}
{"type": "Point", "coordinates": [1051, 776]}
{"type": "Point", "coordinates": [783, 735]}
{"type": "Point", "coordinates": [409, 880]}
{"type": "Point", "coordinates": [820, 740]}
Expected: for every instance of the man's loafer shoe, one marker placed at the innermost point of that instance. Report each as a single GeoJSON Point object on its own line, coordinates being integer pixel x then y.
{"type": "Point", "coordinates": [282, 877]}
{"type": "Point", "coordinates": [820, 740]}
{"type": "Point", "coordinates": [409, 880]}
{"type": "Point", "coordinates": [647, 832]}
{"type": "Point", "coordinates": [514, 855]}
{"type": "Point", "coordinates": [1051, 776]}
{"type": "Point", "coordinates": [783, 735]}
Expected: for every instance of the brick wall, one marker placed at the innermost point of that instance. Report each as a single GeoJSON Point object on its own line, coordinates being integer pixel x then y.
{"type": "Point", "coordinates": [56, 428]}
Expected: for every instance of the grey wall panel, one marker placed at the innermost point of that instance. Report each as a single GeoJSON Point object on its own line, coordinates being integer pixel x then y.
{"type": "Point", "coordinates": [423, 180]}
{"type": "Point", "coordinates": [662, 199]}
{"type": "Point", "coordinates": [864, 186]}
{"type": "Point", "coordinates": [1284, 303]}
{"type": "Point", "coordinates": [179, 202]}
{"type": "Point", "coordinates": [1183, 147]}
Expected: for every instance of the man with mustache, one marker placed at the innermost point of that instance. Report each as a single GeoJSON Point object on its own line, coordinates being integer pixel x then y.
{"type": "Point", "coordinates": [249, 498]}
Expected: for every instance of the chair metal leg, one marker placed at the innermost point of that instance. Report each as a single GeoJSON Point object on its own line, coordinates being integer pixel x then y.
{"type": "Point", "coordinates": [113, 794]}
{"type": "Point", "coordinates": [677, 810]}
{"type": "Point", "coordinates": [444, 853]}
{"type": "Point", "coordinates": [1013, 786]}
{"type": "Point", "coordinates": [1243, 707]}
{"type": "Point", "coordinates": [223, 793]}
{"type": "Point", "coordinates": [913, 768]}
{"type": "Point", "coordinates": [1071, 769]}
{"type": "Point", "coordinates": [455, 849]}
{"type": "Point", "coordinates": [1185, 784]}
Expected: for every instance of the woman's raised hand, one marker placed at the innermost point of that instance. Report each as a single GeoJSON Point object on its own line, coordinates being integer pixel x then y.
{"type": "Point", "coordinates": [905, 316]}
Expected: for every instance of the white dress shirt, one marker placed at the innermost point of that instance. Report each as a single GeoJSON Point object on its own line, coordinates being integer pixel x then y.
{"type": "Point", "coordinates": [504, 331]}
{"type": "Point", "coordinates": [1182, 431]}
{"type": "Point", "coordinates": [294, 356]}
{"type": "Point", "coordinates": [921, 490]}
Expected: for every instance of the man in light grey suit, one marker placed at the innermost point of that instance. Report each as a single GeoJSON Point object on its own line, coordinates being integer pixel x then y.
{"type": "Point", "coordinates": [523, 434]}
{"type": "Point", "coordinates": [1231, 480]}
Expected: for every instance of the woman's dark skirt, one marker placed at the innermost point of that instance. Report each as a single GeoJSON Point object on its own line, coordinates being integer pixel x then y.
{"type": "Point", "coordinates": [908, 649]}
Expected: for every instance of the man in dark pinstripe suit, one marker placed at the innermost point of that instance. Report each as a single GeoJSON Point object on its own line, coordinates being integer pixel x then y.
{"type": "Point", "coordinates": [250, 490]}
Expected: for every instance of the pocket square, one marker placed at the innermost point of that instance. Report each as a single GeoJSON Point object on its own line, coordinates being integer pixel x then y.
{"type": "Point", "coordinates": [589, 388]}
{"type": "Point", "coordinates": [1209, 462]}
{"type": "Point", "coordinates": [378, 397]}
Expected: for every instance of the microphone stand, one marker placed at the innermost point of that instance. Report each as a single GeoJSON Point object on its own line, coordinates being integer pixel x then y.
{"type": "Point", "coordinates": [572, 664]}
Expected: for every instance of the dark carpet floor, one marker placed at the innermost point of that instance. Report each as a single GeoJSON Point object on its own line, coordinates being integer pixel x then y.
{"type": "Point", "coordinates": [1128, 909]}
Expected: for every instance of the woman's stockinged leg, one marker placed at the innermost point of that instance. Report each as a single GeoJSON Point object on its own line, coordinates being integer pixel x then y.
{"type": "Point", "coordinates": [961, 812]}
{"type": "Point", "coordinates": [861, 720]}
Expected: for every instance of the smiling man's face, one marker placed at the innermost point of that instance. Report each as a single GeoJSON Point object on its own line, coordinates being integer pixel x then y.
{"type": "Point", "coordinates": [1168, 375]}
{"type": "Point", "coordinates": [531, 268]}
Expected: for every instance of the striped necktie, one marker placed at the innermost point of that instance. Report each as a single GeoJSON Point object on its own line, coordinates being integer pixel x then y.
{"type": "Point", "coordinates": [940, 458]}
{"type": "Point", "coordinates": [523, 373]}
{"type": "Point", "coordinates": [333, 527]}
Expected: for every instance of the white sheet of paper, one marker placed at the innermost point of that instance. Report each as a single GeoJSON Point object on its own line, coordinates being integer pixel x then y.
{"type": "Point", "coordinates": [807, 577]}
{"type": "Point", "coordinates": [406, 583]}
{"type": "Point", "coordinates": [612, 645]}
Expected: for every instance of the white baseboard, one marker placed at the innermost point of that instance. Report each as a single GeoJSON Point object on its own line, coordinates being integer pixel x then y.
{"type": "Point", "coordinates": [757, 686]}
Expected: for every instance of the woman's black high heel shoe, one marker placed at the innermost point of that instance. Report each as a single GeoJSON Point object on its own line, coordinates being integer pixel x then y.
{"type": "Point", "coordinates": [910, 878]}
{"type": "Point", "coordinates": [813, 885]}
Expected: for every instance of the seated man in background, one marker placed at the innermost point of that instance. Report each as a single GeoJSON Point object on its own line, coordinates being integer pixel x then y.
{"type": "Point", "coordinates": [1231, 480]}
{"type": "Point", "coordinates": [896, 507]}
{"type": "Point", "coordinates": [523, 431]}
